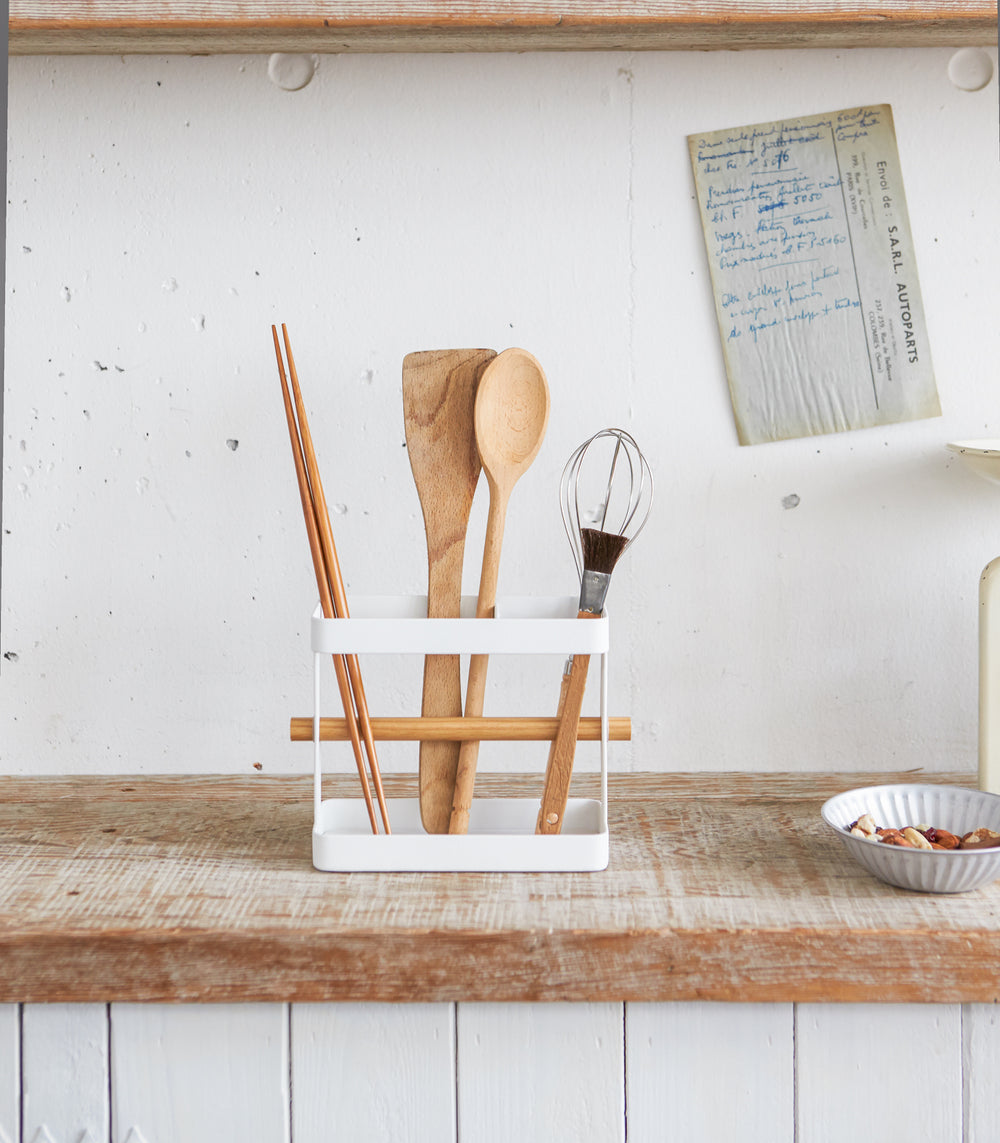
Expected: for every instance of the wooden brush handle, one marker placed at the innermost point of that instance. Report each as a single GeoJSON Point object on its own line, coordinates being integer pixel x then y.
{"type": "Point", "coordinates": [427, 729]}
{"type": "Point", "coordinates": [560, 768]}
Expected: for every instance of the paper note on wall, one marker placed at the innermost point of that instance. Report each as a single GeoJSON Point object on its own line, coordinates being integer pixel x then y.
{"type": "Point", "coordinates": [815, 280]}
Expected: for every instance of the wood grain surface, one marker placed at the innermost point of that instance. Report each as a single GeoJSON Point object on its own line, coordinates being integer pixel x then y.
{"type": "Point", "coordinates": [720, 887]}
{"type": "Point", "coordinates": [439, 400]}
{"type": "Point", "coordinates": [160, 26]}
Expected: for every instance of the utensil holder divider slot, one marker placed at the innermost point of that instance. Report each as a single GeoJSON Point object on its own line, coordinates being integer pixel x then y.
{"type": "Point", "coordinates": [399, 625]}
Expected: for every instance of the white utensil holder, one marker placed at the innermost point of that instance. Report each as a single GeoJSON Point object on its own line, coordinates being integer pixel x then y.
{"type": "Point", "coordinates": [501, 833]}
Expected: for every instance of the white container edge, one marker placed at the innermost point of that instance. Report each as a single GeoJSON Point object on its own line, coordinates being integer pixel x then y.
{"type": "Point", "coordinates": [501, 839]}
{"type": "Point", "coordinates": [521, 625]}
{"type": "Point", "coordinates": [496, 842]}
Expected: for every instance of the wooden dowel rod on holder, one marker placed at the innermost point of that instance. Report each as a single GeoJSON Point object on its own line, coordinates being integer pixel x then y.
{"type": "Point", "coordinates": [461, 729]}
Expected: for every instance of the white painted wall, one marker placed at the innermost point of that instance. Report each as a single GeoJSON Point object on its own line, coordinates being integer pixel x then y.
{"type": "Point", "coordinates": [164, 211]}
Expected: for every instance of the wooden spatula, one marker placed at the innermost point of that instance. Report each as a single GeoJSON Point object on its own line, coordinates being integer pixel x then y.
{"type": "Point", "coordinates": [439, 395]}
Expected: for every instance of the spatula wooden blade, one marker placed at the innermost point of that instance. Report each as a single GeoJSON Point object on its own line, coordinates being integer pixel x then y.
{"type": "Point", "coordinates": [439, 394]}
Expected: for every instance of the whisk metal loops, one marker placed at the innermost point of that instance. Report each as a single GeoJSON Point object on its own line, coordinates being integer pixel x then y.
{"type": "Point", "coordinates": [626, 498]}
{"type": "Point", "coordinates": [622, 509]}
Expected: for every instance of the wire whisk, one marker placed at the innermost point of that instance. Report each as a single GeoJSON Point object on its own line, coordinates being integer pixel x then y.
{"type": "Point", "coordinates": [603, 522]}
{"type": "Point", "coordinates": [598, 535]}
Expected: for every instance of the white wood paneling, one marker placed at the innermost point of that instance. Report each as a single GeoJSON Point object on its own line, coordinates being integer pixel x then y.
{"type": "Point", "coordinates": [65, 1073]}
{"type": "Point", "coordinates": [10, 1073]}
{"type": "Point", "coordinates": [535, 1072]}
{"type": "Point", "coordinates": [862, 1067]}
{"type": "Point", "coordinates": [200, 1073]}
{"type": "Point", "coordinates": [710, 1071]}
{"type": "Point", "coordinates": [981, 1072]}
{"type": "Point", "coordinates": [373, 1072]}
{"type": "Point", "coordinates": [384, 1072]}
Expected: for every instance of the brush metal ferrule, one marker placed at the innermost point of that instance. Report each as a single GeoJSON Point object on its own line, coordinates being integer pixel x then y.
{"type": "Point", "coordinates": [594, 590]}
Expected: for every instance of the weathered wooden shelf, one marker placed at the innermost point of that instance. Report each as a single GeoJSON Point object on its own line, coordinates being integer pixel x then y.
{"type": "Point", "coordinates": [163, 26]}
{"type": "Point", "coordinates": [721, 887]}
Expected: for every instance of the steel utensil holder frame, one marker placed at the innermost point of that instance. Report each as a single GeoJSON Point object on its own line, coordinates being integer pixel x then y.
{"type": "Point", "coordinates": [501, 835]}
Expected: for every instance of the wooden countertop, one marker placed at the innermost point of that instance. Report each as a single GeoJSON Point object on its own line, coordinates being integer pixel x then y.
{"type": "Point", "coordinates": [720, 887]}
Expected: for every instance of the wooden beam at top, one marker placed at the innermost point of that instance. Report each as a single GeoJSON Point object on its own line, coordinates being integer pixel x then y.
{"type": "Point", "coordinates": [262, 26]}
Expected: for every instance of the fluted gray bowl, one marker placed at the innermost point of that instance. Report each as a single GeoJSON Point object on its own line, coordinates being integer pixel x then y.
{"type": "Point", "coordinates": [953, 808]}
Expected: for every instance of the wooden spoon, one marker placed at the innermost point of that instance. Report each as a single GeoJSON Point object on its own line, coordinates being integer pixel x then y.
{"type": "Point", "coordinates": [439, 394]}
{"type": "Point", "coordinates": [512, 413]}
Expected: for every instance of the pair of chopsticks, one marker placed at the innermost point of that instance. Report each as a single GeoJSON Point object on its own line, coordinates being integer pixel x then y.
{"type": "Point", "coordinates": [332, 596]}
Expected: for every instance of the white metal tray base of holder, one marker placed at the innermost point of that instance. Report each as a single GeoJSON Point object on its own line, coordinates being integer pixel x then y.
{"type": "Point", "coordinates": [501, 835]}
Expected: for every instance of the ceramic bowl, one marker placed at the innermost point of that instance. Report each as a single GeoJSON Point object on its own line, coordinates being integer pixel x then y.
{"type": "Point", "coordinates": [952, 808]}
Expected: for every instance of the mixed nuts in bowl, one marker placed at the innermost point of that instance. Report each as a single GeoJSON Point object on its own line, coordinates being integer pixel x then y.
{"type": "Point", "coordinates": [933, 839]}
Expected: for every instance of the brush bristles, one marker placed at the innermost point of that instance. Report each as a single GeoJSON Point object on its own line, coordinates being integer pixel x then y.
{"type": "Point", "coordinates": [601, 549]}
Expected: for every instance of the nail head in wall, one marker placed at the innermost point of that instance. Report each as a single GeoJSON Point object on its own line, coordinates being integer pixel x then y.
{"type": "Point", "coordinates": [291, 72]}
{"type": "Point", "coordinates": [790, 501]}
{"type": "Point", "coordinates": [970, 69]}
